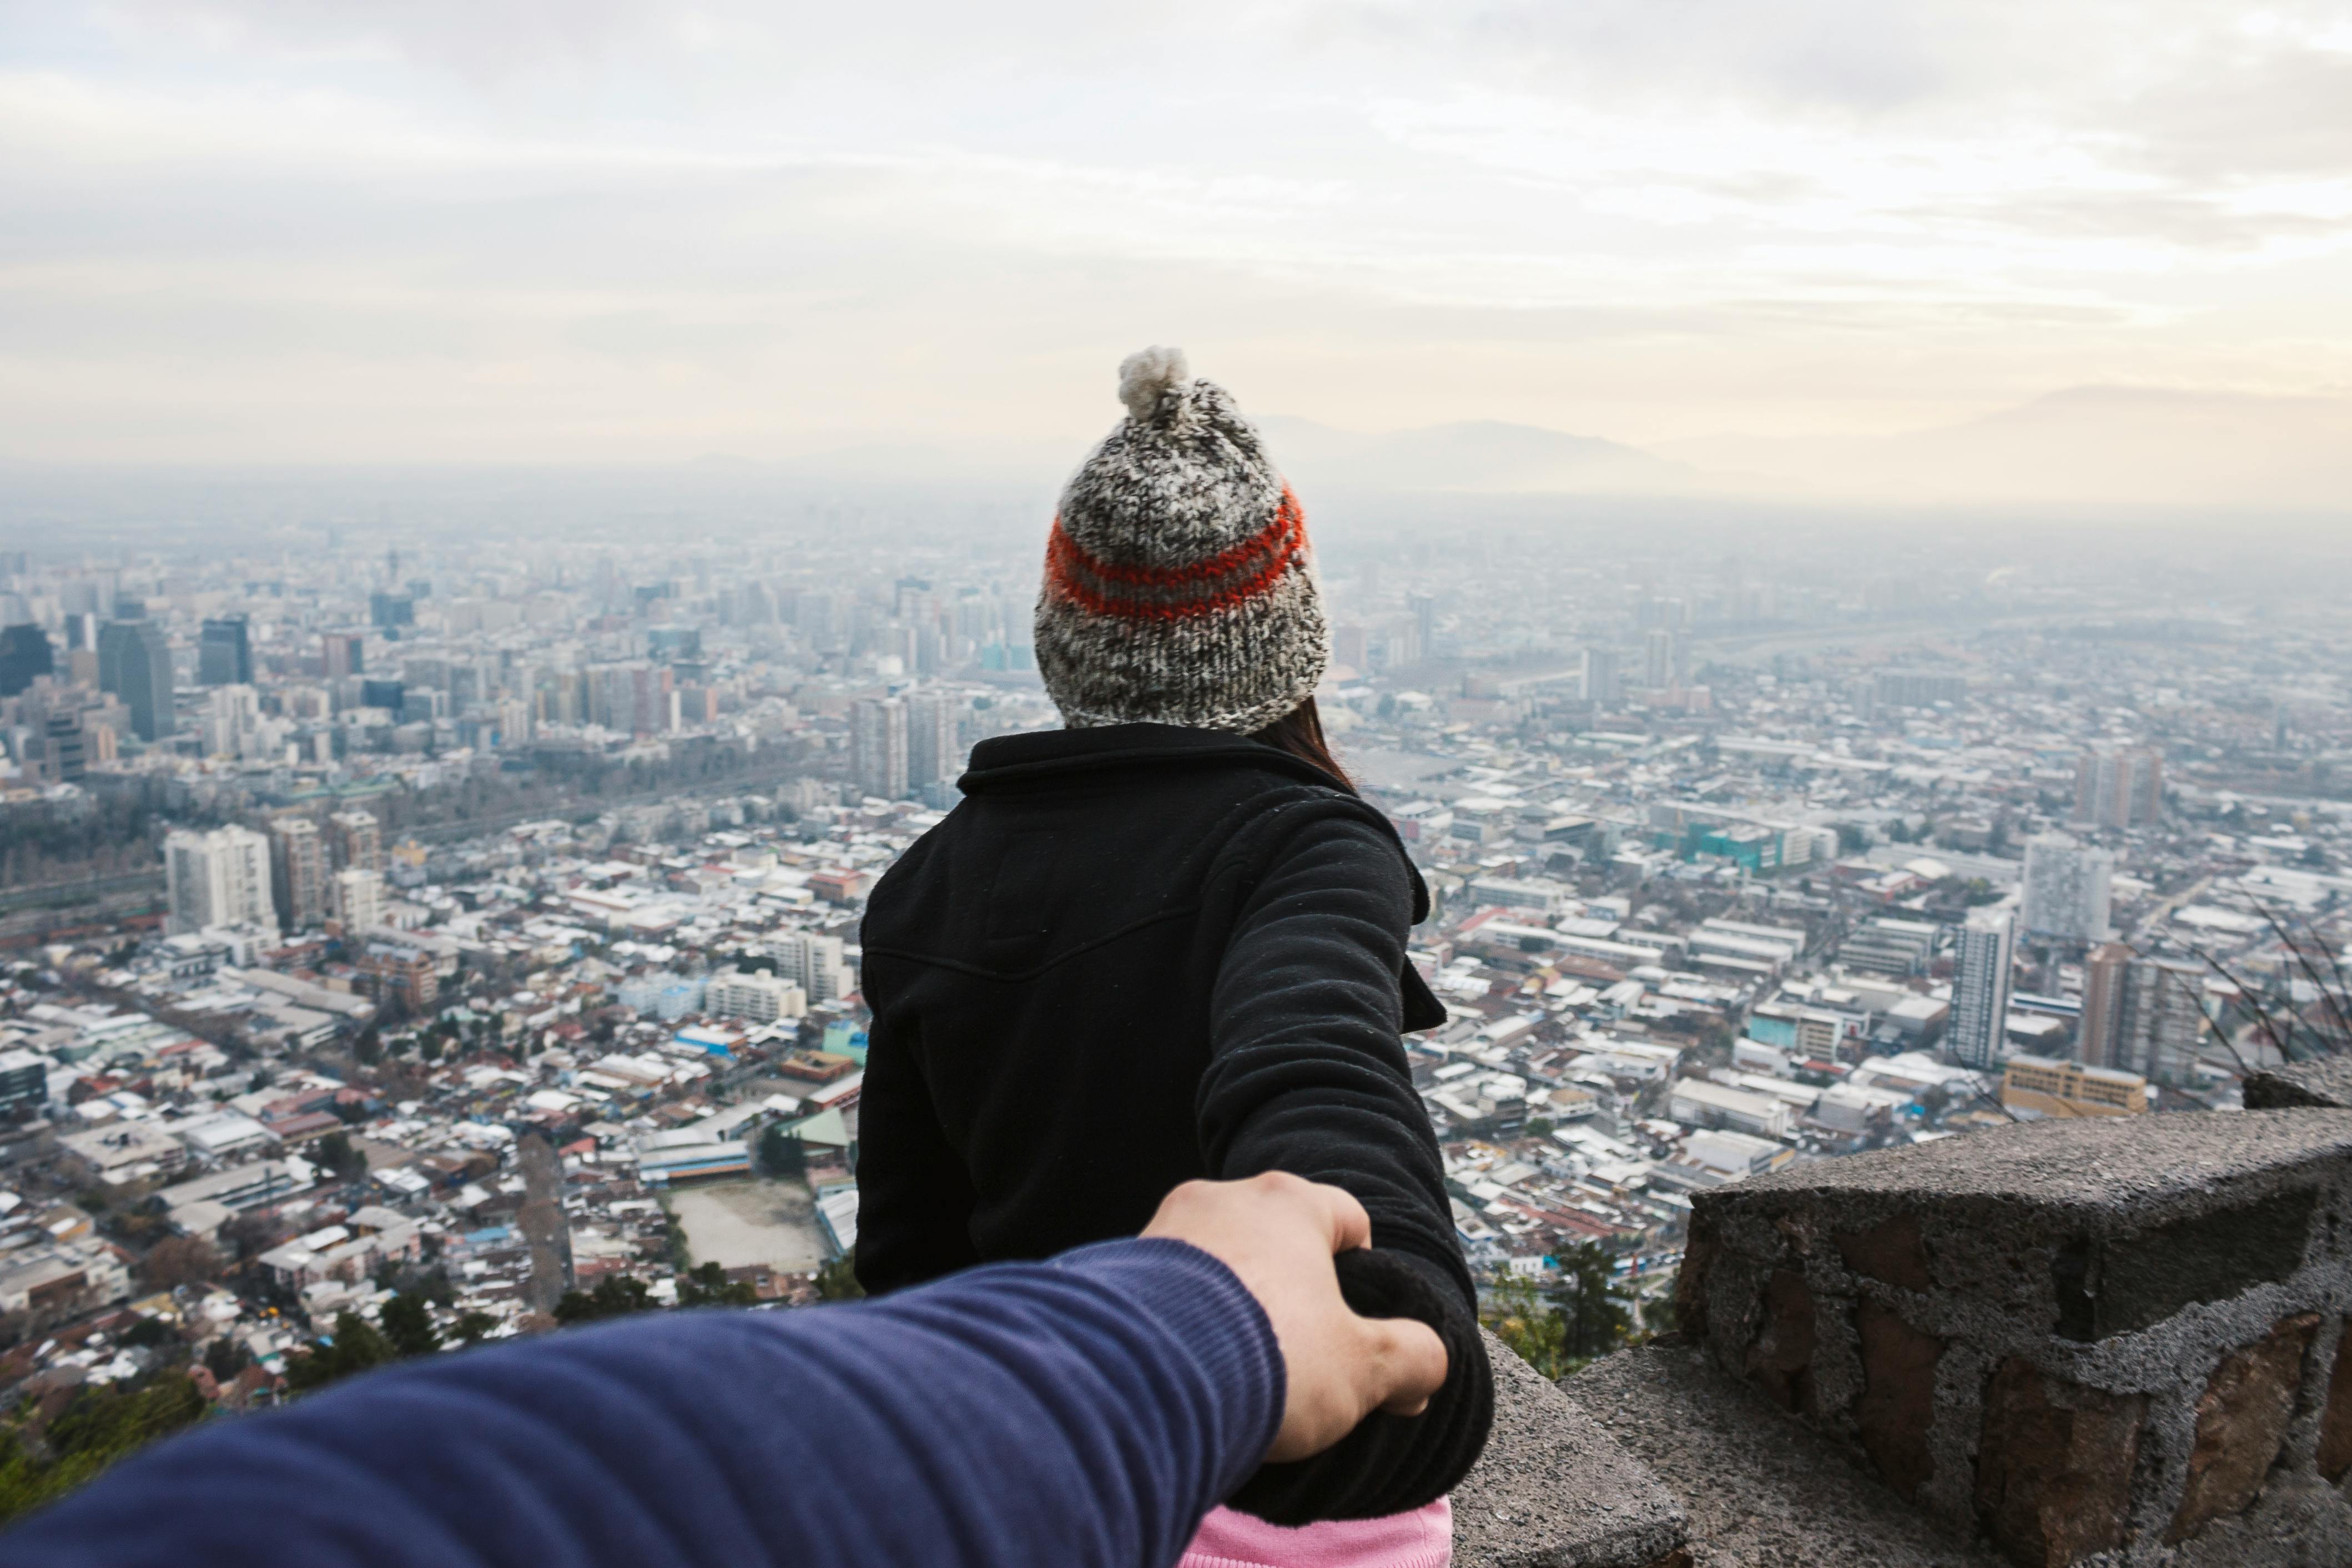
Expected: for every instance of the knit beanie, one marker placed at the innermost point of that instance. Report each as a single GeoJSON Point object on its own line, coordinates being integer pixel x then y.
{"type": "Point", "coordinates": [1178, 588]}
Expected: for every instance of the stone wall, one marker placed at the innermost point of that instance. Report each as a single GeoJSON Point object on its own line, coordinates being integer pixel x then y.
{"type": "Point", "coordinates": [2081, 1339]}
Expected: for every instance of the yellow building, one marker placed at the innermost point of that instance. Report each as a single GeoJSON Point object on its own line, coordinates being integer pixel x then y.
{"type": "Point", "coordinates": [2051, 1088]}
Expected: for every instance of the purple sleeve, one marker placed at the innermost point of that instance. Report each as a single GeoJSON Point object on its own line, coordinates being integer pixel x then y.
{"type": "Point", "coordinates": [1083, 1411]}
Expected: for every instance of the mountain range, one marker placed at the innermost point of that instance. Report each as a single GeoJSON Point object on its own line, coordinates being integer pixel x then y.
{"type": "Point", "coordinates": [2084, 447]}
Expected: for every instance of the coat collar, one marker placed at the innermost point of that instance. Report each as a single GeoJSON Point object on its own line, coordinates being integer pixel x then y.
{"type": "Point", "coordinates": [1010, 761]}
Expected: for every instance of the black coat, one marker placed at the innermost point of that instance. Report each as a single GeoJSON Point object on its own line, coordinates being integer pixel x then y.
{"type": "Point", "coordinates": [1138, 955]}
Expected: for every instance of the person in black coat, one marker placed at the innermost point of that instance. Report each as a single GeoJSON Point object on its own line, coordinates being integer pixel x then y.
{"type": "Point", "coordinates": [1168, 942]}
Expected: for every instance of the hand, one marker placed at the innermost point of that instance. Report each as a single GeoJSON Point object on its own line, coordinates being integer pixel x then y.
{"type": "Point", "coordinates": [1278, 1233]}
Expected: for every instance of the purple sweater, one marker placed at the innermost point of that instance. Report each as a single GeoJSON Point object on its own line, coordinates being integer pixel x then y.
{"type": "Point", "coordinates": [1083, 1411]}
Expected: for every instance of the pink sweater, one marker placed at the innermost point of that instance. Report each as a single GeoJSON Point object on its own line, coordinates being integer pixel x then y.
{"type": "Point", "coordinates": [1421, 1539]}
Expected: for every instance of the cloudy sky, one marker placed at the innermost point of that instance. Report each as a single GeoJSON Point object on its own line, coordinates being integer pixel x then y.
{"type": "Point", "coordinates": [326, 230]}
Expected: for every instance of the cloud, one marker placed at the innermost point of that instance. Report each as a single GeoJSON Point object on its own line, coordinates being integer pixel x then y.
{"type": "Point", "coordinates": [727, 224]}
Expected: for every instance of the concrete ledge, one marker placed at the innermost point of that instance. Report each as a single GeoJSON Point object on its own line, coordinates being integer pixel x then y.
{"type": "Point", "coordinates": [2084, 1339]}
{"type": "Point", "coordinates": [1554, 1490]}
{"type": "Point", "coordinates": [1761, 1492]}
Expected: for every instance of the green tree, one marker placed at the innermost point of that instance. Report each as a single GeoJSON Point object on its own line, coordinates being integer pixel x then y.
{"type": "Point", "coordinates": [1595, 1320]}
{"type": "Point", "coordinates": [354, 1347]}
{"type": "Point", "coordinates": [614, 1296]}
{"type": "Point", "coordinates": [335, 1152]}
{"type": "Point", "coordinates": [781, 1154]}
{"type": "Point", "coordinates": [708, 1286]}
{"type": "Point", "coordinates": [102, 1424]}
{"type": "Point", "coordinates": [1534, 1333]}
{"type": "Point", "coordinates": [474, 1327]}
{"type": "Point", "coordinates": [838, 1282]}
{"type": "Point", "coordinates": [408, 1326]}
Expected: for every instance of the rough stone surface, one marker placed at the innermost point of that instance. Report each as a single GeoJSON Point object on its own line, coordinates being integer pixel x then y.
{"type": "Point", "coordinates": [2055, 1466]}
{"type": "Point", "coordinates": [2327, 1082]}
{"type": "Point", "coordinates": [1554, 1490]}
{"type": "Point", "coordinates": [2298, 1522]}
{"type": "Point", "coordinates": [1782, 1359]}
{"type": "Point", "coordinates": [2334, 1456]}
{"type": "Point", "coordinates": [2111, 1166]}
{"type": "Point", "coordinates": [2014, 1328]}
{"type": "Point", "coordinates": [1761, 1491]}
{"type": "Point", "coordinates": [1896, 1411]}
{"type": "Point", "coordinates": [1893, 1253]}
{"type": "Point", "coordinates": [2145, 1278]}
{"type": "Point", "coordinates": [2241, 1422]}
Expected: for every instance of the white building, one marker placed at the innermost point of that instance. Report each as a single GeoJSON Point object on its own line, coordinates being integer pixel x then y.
{"type": "Point", "coordinates": [1980, 989]}
{"type": "Point", "coordinates": [218, 878]}
{"type": "Point", "coordinates": [760, 999]}
{"type": "Point", "coordinates": [2066, 888]}
{"type": "Point", "coordinates": [1697, 1104]}
{"type": "Point", "coordinates": [358, 899]}
{"type": "Point", "coordinates": [814, 964]}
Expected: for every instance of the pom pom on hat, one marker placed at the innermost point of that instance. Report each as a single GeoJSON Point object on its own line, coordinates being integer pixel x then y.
{"type": "Point", "coordinates": [1148, 375]}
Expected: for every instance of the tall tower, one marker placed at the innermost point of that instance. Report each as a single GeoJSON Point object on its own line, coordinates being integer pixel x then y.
{"type": "Point", "coordinates": [2119, 787]}
{"type": "Point", "coordinates": [219, 878]}
{"type": "Point", "coordinates": [1981, 989]}
{"type": "Point", "coordinates": [932, 751]}
{"type": "Point", "coordinates": [135, 662]}
{"type": "Point", "coordinates": [2067, 888]}
{"type": "Point", "coordinates": [2098, 1041]}
{"type": "Point", "coordinates": [225, 653]}
{"type": "Point", "coordinates": [877, 746]}
{"type": "Point", "coordinates": [297, 867]}
{"type": "Point", "coordinates": [359, 842]}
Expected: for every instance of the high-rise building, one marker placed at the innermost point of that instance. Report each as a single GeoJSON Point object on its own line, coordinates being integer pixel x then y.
{"type": "Point", "coordinates": [2066, 888]}
{"type": "Point", "coordinates": [932, 755]}
{"type": "Point", "coordinates": [2097, 1038]}
{"type": "Point", "coordinates": [1602, 683]}
{"type": "Point", "coordinates": [358, 840]}
{"type": "Point", "coordinates": [814, 964]}
{"type": "Point", "coordinates": [25, 657]}
{"type": "Point", "coordinates": [1981, 989]}
{"type": "Point", "coordinates": [63, 749]}
{"type": "Point", "coordinates": [2119, 787]}
{"type": "Point", "coordinates": [391, 611]}
{"type": "Point", "coordinates": [298, 870]}
{"type": "Point", "coordinates": [342, 653]}
{"type": "Point", "coordinates": [1657, 658]}
{"type": "Point", "coordinates": [135, 662]}
{"type": "Point", "coordinates": [217, 878]}
{"type": "Point", "coordinates": [633, 697]}
{"type": "Point", "coordinates": [1424, 619]}
{"type": "Point", "coordinates": [2142, 1015]}
{"type": "Point", "coordinates": [2162, 1019]}
{"type": "Point", "coordinates": [358, 900]}
{"type": "Point", "coordinates": [225, 653]}
{"type": "Point", "coordinates": [877, 746]}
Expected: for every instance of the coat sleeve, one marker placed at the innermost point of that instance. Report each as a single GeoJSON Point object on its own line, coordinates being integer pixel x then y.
{"type": "Point", "coordinates": [1307, 1074]}
{"type": "Point", "coordinates": [1084, 1412]}
{"type": "Point", "coordinates": [914, 1197]}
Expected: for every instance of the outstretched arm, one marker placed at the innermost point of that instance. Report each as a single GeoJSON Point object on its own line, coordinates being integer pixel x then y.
{"type": "Point", "coordinates": [1307, 1074]}
{"type": "Point", "coordinates": [1086, 1411]}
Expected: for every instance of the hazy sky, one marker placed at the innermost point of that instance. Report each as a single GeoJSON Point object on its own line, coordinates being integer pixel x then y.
{"type": "Point", "coordinates": [553, 229]}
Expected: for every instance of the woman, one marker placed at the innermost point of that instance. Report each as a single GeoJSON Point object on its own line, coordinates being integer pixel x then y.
{"type": "Point", "coordinates": [1169, 942]}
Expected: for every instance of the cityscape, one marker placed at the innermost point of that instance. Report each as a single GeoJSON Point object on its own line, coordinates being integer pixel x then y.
{"type": "Point", "coordinates": [415, 918]}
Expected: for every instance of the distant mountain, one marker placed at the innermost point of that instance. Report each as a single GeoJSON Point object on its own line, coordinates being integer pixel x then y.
{"type": "Point", "coordinates": [1477, 456]}
{"type": "Point", "coordinates": [2084, 445]}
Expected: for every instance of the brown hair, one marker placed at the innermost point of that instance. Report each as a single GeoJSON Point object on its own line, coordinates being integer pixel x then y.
{"type": "Point", "coordinates": [1299, 732]}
